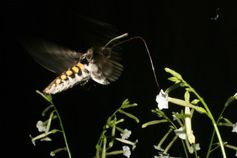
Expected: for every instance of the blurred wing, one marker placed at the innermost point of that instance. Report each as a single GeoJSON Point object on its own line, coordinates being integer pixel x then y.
{"type": "Point", "coordinates": [51, 56]}
{"type": "Point", "coordinates": [105, 67]}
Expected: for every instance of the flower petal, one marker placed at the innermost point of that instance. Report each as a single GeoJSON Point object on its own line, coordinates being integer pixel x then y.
{"type": "Point", "coordinates": [162, 100]}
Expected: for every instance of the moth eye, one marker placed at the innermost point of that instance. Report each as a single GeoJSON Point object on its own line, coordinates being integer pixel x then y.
{"type": "Point", "coordinates": [106, 52]}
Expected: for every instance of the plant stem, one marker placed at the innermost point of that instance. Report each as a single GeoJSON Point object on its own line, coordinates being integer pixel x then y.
{"type": "Point", "coordinates": [209, 114]}
{"type": "Point", "coordinates": [213, 132]}
{"type": "Point", "coordinates": [63, 131]}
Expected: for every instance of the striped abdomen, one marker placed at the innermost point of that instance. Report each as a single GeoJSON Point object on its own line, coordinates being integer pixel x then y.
{"type": "Point", "coordinates": [74, 75]}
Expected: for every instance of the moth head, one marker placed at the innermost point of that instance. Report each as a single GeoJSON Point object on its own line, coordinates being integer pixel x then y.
{"type": "Point", "coordinates": [87, 57]}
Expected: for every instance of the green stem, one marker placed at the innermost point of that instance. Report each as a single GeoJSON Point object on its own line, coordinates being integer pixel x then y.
{"type": "Point", "coordinates": [213, 133]}
{"type": "Point", "coordinates": [185, 149]}
{"type": "Point", "coordinates": [63, 131]}
{"type": "Point", "coordinates": [49, 99]}
{"type": "Point", "coordinates": [209, 114]}
{"type": "Point", "coordinates": [170, 144]}
{"type": "Point", "coordinates": [164, 138]}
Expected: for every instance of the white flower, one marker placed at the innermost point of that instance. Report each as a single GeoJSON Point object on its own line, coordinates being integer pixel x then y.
{"type": "Point", "coordinates": [52, 154]}
{"type": "Point", "coordinates": [126, 134]}
{"type": "Point", "coordinates": [234, 127]}
{"type": "Point", "coordinates": [181, 133]}
{"type": "Point", "coordinates": [162, 100]}
{"type": "Point", "coordinates": [41, 126]}
{"type": "Point", "coordinates": [197, 147]}
{"type": "Point", "coordinates": [126, 151]}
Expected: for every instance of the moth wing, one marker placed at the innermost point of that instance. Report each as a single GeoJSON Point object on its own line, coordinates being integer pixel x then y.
{"type": "Point", "coordinates": [105, 66]}
{"type": "Point", "coordinates": [51, 56]}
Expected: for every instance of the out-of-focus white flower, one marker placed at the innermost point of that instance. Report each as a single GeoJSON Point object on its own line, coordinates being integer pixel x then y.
{"type": "Point", "coordinates": [234, 128]}
{"type": "Point", "coordinates": [52, 154]}
{"type": "Point", "coordinates": [181, 133]}
{"type": "Point", "coordinates": [126, 134]}
{"type": "Point", "coordinates": [162, 100]}
{"type": "Point", "coordinates": [126, 151]}
{"type": "Point", "coordinates": [197, 147]}
{"type": "Point", "coordinates": [41, 126]}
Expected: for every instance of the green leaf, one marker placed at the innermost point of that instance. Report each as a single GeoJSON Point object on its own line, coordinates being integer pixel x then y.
{"type": "Point", "coordinates": [47, 109]}
{"type": "Point", "coordinates": [174, 79]}
{"type": "Point", "coordinates": [159, 112]}
{"type": "Point", "coordinates": [49, 121]}
{"type": "Point", "coordinates": [127, 104]}
{"type": "Point", "coordinates": [200, 110]}
{"type": "Point", "coordinates": [230, 100]}
{"type": "Point", "coordinates": [173, 73]}
{"type": "Point", "coordinates": [103, 154]}
{"type": "Point", "coordinates": [195, 101]}
{"type": "Point", "coordinates": [129, 115]}
{"type": "Point", "coordinates": [153, 122]}
{"type": "Point", "coordinates": [187, 96]}
{"type": "Point", "coordinates": [48, 98]}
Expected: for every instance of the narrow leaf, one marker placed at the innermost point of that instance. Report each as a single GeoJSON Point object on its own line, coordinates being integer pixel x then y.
{"type": "Point", "coordinates": [129, 115]}
{"type": "Point", "coordinates": [173, 73]}
{"type": "Point", "coordinates": [153, 122]}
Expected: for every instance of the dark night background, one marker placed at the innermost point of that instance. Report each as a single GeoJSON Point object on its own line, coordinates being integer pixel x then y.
{"type": "Point", "coordinates": [184, 36]}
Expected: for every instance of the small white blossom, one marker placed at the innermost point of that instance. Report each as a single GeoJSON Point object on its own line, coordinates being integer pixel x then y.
{"type": "Point", "coordinates": [41, 126]}
{"type": "Point", "coordinates": [126, 134]}
{"type": "Point", "coordinates": [236, 154]}
{"type": "Point", "coordinates": [126, 151]}
{"type": "Point", "coordinates": [197, 147]}
{"type": "Point", "coordinates": [181, 133]}
{"type": "Point", "coordinates": [162, 100]}
{"type": "Point", "coordinates": [234, 128]}
{"type": "Point", "coordinates": [52, 154]}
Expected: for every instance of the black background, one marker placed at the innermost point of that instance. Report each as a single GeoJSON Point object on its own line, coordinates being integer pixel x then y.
{"type": "Point", "coordinates": [184, 36]}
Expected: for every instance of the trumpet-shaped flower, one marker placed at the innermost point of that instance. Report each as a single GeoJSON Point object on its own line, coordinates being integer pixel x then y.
{"type": "Point", "coordinates": [126, 151]}
{"type": "Point", "coordinates": [181, 133]}
{"type": "Point", "coordinates": [234, 127]}
{"type": "Point", "coordinates": [196, 146]}
{"type": "Point", "coordinates": [41, 126]}
{"type": "Point", "coordinates": [162, 100]}
{"type": "Point", "coordinates": [126, 134]}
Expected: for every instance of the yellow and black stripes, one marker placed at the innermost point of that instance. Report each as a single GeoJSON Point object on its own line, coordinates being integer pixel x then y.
{"type": "Point", "coordinates": [67, 79]}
